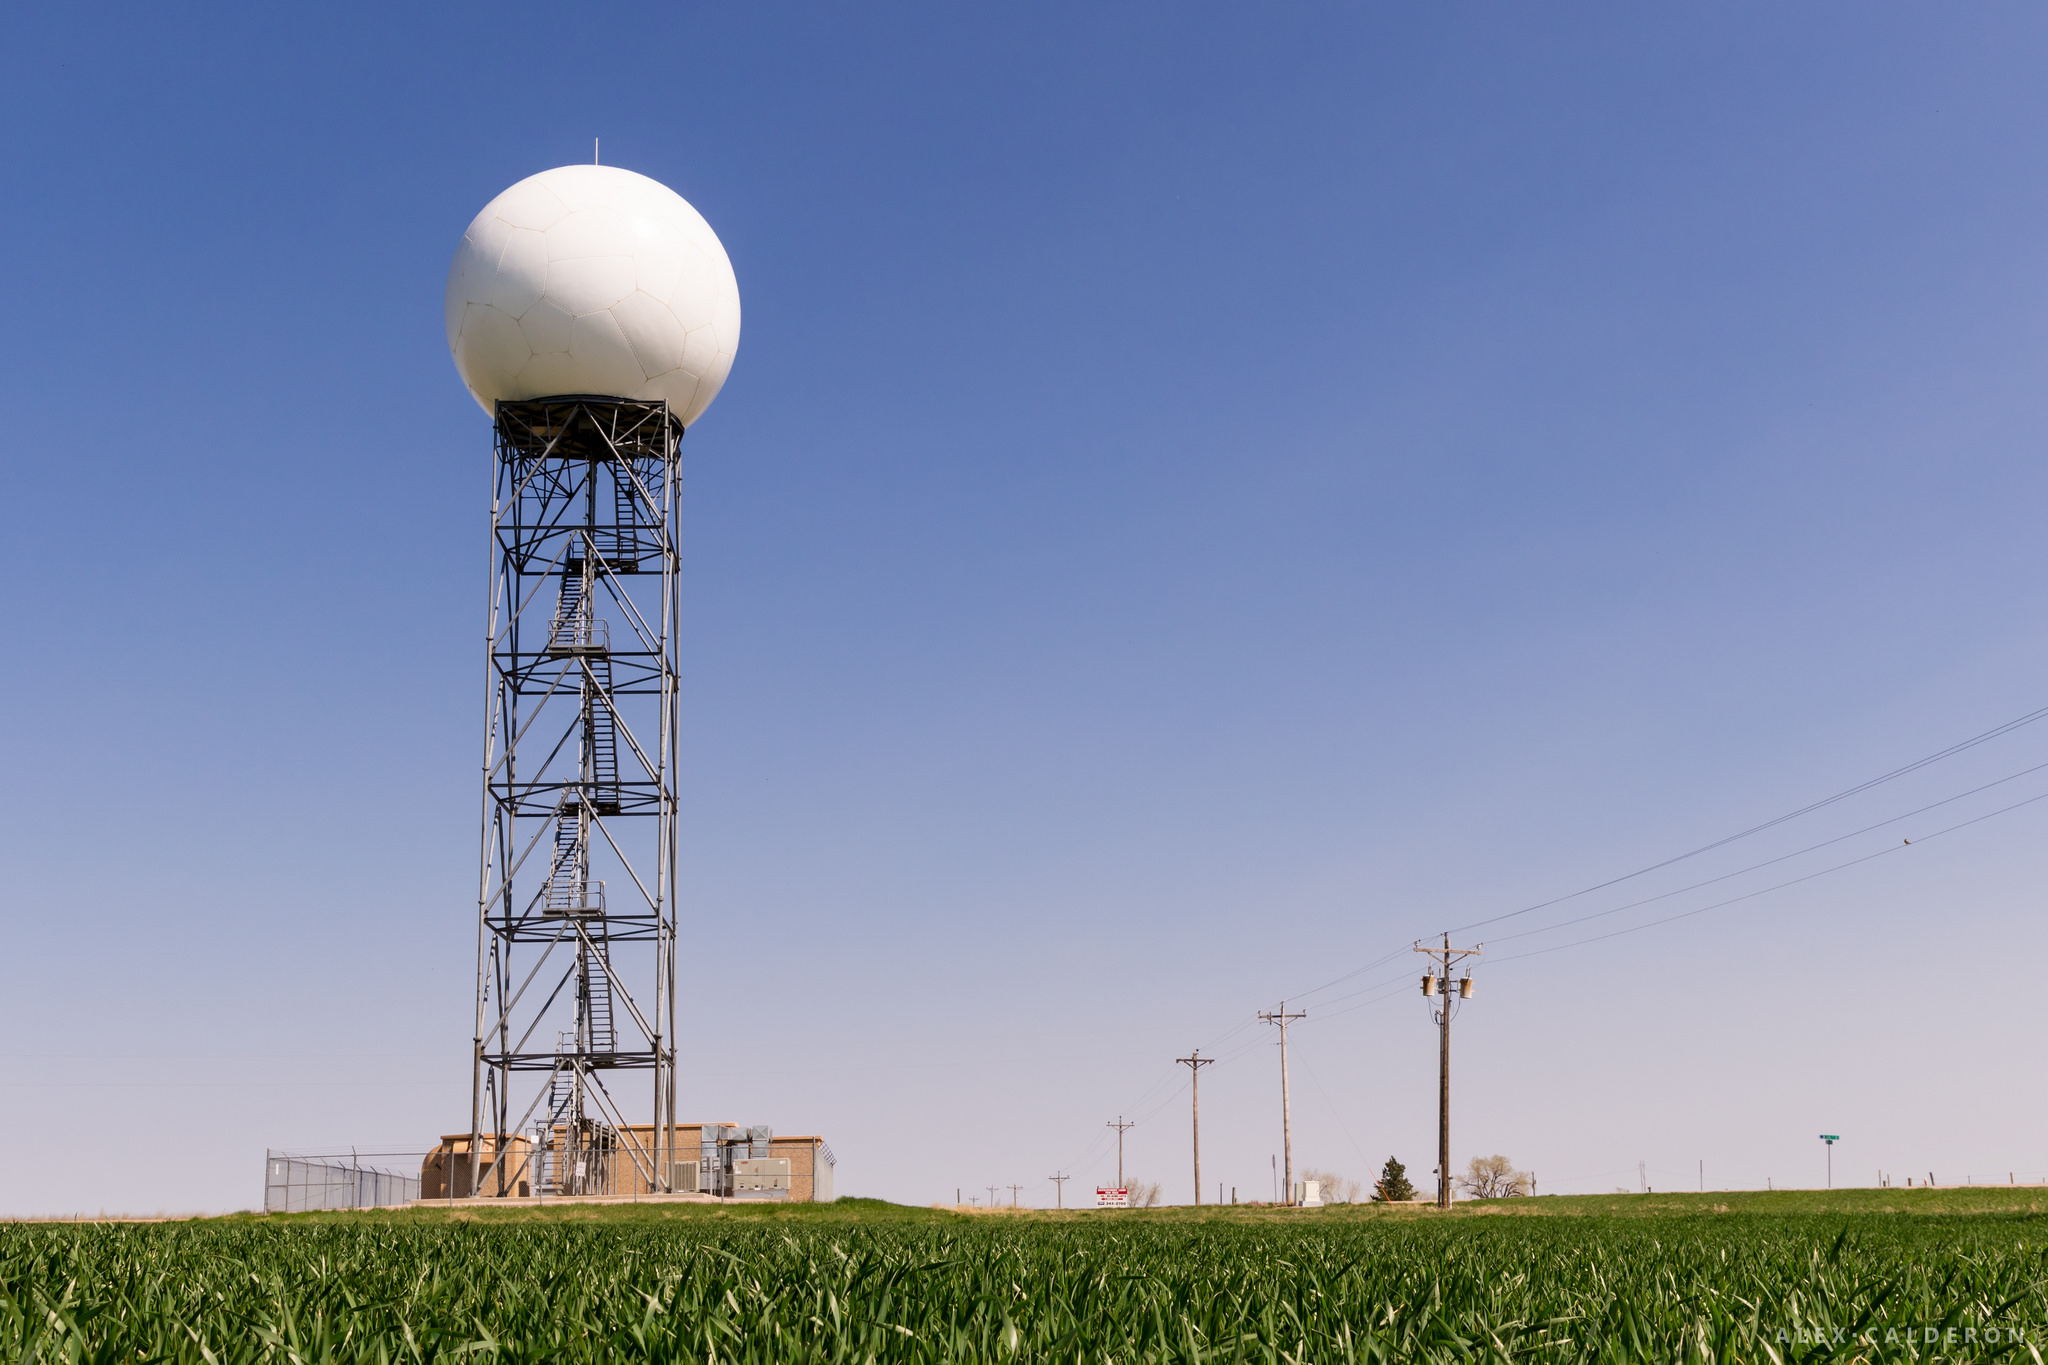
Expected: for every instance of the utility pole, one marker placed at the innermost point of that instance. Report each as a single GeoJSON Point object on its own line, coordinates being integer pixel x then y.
{"type": "Point", "coordinates": [1013, 1195]}
{"type": "Point", "coordinates": [1120, 1127]}
{"type": "Point", "coordinates": [1059, 1190]}
{"type": "Point", "coordinates": [1437, 982]}
{"type": "Point", "coordinates": [992, 1194]}
{"type": "Point", "coordinates": [1283, 1018]}
{"type": "Point", "coordinates": [1194, 1065]}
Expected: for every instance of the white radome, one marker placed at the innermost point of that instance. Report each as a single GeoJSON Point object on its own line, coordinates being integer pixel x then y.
{"type": "Point", "coordinates": [592, 279]}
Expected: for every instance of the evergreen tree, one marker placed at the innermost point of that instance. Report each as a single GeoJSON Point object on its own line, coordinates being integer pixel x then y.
{"type": "Point", "coordinates": [1392, 1187]}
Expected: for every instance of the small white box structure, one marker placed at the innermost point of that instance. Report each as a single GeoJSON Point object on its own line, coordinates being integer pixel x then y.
{"type": "Point", "coordinates": [1112, 1197]}
{"type": "Point", "coordinates": [761, 1177]}
{"type": "Point", "coordinates": [1308, 1193]}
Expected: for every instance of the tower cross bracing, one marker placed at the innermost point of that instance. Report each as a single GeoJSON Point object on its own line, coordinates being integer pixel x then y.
{"type": "Point", "coordinates": [576, 934]}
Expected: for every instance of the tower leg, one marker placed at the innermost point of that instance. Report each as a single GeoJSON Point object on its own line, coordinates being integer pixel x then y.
{"type": "Point", "coordinates": [577, 889]}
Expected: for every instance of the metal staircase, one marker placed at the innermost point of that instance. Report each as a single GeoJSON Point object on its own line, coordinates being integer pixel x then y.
{"type": "Point", "coordinates": [601, 736]}
{"type": "Point", "coordinates": [626, 520]}
{"type": "Point", "coordinates": [575, 628]}
{"type": "Point", "coordinates": [577, 633]}
{"type": "Point", "coordinates": [597, 999]}
{"type": "Point", "coordinates": [568, 890]}
{"type": "Point", "coordinates": [561, 1115]}
{"type": "Point", "coordinates": [572, 1151]}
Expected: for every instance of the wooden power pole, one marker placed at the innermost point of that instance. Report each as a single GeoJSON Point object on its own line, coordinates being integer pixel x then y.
{"type": "Point", "coordinates": [1437, 982]}
{"type": "Point", "coordinates": [1283, 1018]}
{"type": "Point", "coordinates": [1194, 1065]}
{"type": "Point", "coordinates": [1059, 1190]}
{"type": "Point", "coordinates": [1120, 1127]}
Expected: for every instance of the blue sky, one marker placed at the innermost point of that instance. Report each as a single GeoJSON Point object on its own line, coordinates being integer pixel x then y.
{"type": "Point", "coordinates": [1206, 495]}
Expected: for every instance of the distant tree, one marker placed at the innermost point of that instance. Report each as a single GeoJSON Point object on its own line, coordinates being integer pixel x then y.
{"type": "Point", "coordinates": [1335, 1188]}
{"type": "Point", "coordinates": [1142, 1195]}
{"type": "Point", "coordinates": [1493, 1177]}
{"type": "Point", "coordinates": [1392, 1187]}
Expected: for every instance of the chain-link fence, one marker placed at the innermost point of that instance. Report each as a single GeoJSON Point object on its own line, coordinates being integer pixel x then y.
{"type": "Point", "coordinates": [718, 1161]}
{"type": "Point", "coordinates": [298, 1182]}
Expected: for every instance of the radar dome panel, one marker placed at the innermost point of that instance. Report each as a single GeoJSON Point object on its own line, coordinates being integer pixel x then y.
{"type": "Point", "coordinates": [593, 279]}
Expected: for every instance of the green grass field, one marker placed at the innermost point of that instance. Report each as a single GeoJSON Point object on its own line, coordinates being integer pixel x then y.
{"type": "Point", "coordinates": [1869, 1275]}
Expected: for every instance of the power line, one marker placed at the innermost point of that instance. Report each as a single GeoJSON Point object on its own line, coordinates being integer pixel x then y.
{"type": "Point", "coordinates": [1101, 1140]}
{"type": "Point", "coordinates": [1379, 991]}
{"type": "Point", "coordinates": [1383, 993]}
{"type": "Point", "coordinates": [1338, 1115]}
{"type": "Point", "coordinates": [1388, 989]}
{"type": "Point", "coordinates": [1752, 895]}
{"type": "Point", "coordinates": [1362, 990]}
{"type": "Point", "coordinates": [1378, 961]}
{"type": "Point", "coordinates": [1782, 858]}
{"type": "Point", "coordinates": [1857, 790]}
{"type": "Point", "coordinates": [1160, 1104]}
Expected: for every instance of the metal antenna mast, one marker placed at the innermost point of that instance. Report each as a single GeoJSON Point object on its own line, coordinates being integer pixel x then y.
{"type": "Point", "coordinates": [1438, 982]}
{"type": "Point", "coordinates": [1194, 1065]}
{"type": "Point", "coordinates": [576, 922]}
{"type": "Point", "coordinates": [1283, 1019]}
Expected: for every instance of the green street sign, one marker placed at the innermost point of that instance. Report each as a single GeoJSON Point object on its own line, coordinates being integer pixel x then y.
{"type": "Point", "coordinates": [1830, 1137]}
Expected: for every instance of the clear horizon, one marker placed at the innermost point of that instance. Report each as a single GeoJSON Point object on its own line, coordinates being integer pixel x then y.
{"type": "Point", "coordinates": [1203, 500]}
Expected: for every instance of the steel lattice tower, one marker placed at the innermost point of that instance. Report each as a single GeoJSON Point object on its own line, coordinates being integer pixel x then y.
{"type": "Point", "coordinates": [576, 937]}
